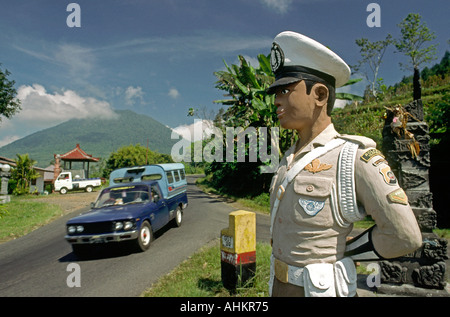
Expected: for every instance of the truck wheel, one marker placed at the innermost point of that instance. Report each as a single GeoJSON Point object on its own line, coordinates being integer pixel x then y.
{"type": "Point", "coordinates": [63, 191]}
{"type": "Point", "coordinates": [145, 237]}
{"type": "Point", "coordinates": [178, 217]}
{"type": "Point", "coordinates": [89, 189]}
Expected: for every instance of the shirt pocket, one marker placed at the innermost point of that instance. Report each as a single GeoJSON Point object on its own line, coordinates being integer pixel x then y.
{"type": "Point", "coordinates": [312, 201]}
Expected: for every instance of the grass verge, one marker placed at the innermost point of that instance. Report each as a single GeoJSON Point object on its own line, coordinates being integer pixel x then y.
{"type": "Point", "coordinates": [200, 276]}
{"type": "Point", "coordinates": [24, 215]}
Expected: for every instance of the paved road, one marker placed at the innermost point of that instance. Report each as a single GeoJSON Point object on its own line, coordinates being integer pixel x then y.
{"type": "Point", "coordinates": [37, 264]}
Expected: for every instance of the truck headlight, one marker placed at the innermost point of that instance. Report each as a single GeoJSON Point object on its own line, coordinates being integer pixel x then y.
{"type": "Point", "coordinates": [128, 225]}
{"type": "Point", "coordinates": [118, 226]}
{"type": "Point", "coordinates": [80, 229]}
{"type": "Point", "coordinates": [71, 229]}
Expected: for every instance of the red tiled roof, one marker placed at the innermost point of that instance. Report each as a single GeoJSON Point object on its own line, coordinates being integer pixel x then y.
{"type": "Point", "coordinates": [77, 154]}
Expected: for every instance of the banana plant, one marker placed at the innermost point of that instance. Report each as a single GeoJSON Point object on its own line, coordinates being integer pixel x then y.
{"type": "Point", "coordinates": [249, 104]}
{"type": "Point", "coordinates": [348, 96]}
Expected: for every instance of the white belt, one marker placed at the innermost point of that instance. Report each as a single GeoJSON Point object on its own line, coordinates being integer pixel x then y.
{"type": "Point", "coordinates": [319, 279]}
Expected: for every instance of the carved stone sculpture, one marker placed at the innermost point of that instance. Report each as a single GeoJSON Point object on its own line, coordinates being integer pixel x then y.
{"type": "Point", "coordinates": [406, 147]}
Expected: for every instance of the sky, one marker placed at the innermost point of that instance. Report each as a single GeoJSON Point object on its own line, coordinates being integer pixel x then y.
{"type": "Point", "coordinates": [157, 58]}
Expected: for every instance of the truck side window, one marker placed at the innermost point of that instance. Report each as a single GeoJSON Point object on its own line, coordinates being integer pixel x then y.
{"type": "Point", "coordinates": [155, 194]}
{"type": "Point", "coordinates": [182, 174]}
{"type": "Point", "coordinates": [169, 177]}
{"type": "Point", "coordinates": [177, 176]}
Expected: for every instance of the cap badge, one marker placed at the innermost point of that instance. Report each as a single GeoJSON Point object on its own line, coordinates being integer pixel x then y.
{"type": "Point", "coordinates": [276, 57]}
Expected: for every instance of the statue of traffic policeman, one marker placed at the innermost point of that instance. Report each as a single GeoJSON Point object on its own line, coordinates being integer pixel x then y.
{"type": "Point", "coordinates": [326, 182]}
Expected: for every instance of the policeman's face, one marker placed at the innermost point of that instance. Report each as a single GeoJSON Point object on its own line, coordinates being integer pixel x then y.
{"type": "Point", "coordinates": [295, 108]}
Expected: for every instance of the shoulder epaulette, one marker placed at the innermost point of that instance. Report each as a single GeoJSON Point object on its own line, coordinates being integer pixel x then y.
{"type": "Point", "coordinates": [362, 141]}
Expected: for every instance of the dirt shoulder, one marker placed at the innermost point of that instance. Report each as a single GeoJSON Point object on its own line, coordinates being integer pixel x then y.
{"type": "Point", "coordinates": [70, 201]}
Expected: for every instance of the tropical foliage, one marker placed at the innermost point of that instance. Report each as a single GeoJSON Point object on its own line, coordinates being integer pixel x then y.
{"type": "Point", "coordinates": [23, 173]}
{"type": "Point", "coordinates": [9, 104]}
{"type": "Point", "coordinates": [249, 103]}
{"type": "Point", "coordinates": [249, 106]}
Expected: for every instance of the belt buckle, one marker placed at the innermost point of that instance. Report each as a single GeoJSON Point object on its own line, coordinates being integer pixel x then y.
{"type": "Point", "coordinates": [281, 271]}
{"type": "Point", "coordinates": [280, 192]}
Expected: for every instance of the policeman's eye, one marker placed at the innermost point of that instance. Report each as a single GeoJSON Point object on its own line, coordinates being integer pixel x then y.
{"type": "Point", "coordinates": [283, 91]}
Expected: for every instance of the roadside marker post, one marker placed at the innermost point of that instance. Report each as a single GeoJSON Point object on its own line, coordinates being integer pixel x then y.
{"type": "Point", "coordinates": [238, 249]}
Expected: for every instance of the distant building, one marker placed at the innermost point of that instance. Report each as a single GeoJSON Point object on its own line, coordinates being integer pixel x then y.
{"type": "Point", "coordinates": [77, 155]}
{"type": "Point", "coordinates": [38, 184]}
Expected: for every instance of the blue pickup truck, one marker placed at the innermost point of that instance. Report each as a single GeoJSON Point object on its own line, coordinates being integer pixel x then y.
{"type": "Point", "coordinates": [139, 201]}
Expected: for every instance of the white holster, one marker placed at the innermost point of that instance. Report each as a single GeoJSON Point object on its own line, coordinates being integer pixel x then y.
{"type": "Point", "coordinates": [321, 279]}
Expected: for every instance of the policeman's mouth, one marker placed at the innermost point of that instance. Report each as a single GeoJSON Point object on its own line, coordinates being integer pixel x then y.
{"type": "Point", "coordinates": [280, 113]}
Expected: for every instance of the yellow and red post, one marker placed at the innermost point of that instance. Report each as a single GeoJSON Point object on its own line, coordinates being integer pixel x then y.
{"type": "Point", "coordinates": [238, 249]}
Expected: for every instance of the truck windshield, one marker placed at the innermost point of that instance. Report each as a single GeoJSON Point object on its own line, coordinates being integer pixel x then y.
{"type": "Point", "coordinates": [134, 194]}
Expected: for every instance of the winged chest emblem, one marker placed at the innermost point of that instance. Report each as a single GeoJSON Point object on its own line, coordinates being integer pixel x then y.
{"type": "Point", "coordinates": [316, 166]}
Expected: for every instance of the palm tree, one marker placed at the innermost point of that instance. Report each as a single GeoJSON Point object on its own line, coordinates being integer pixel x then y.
{"type": "Point", "coordinates": [23, 173]}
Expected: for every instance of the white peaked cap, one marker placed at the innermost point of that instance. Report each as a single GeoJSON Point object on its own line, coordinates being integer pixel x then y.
{"type": "Point", "coordinates": [295, 57]}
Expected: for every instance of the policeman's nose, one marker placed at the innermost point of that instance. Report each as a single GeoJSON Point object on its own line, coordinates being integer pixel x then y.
{"type": "Point", "coordinates": [277, 101]}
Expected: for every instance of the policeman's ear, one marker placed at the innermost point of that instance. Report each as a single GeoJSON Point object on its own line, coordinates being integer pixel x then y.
{"type": "Point", "coordinates": [320, 93]}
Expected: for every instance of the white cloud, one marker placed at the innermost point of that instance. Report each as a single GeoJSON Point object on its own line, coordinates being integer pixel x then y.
{"type": "Point", "coordinates": [200, 41]}
{"type": "Point", "coordinates": [77, 59]}
{"type": "Point", "coordinates": [78, 62]}
{"type": "Point", "coordinates": [173, 93]}
{"type": "Point", "coordinates": [280, 6]}
{"type": "Point", "coordinates": [47, 108]}
{"type": "Point", "coordinates": [132, 93]}
{"type": "Point", "coordinates": [196, 131]}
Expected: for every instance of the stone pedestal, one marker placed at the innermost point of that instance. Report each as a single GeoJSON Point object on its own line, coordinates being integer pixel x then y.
{"type": "Point", "coordinates": [4, 178]}
{"type": "Point", "coordinates": [426, 266]}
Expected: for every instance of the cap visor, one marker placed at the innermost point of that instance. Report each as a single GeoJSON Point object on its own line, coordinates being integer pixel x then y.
{"type": "Point", "coordinates": [282, 82]}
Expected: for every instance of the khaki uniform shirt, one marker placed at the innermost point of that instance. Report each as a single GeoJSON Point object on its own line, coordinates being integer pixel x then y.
{"type": "Point", "coordinates": [303, 235]}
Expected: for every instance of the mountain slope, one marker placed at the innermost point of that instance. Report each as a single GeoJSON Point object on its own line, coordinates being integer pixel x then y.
{"type": "Point", "coordinates": [96, 137]}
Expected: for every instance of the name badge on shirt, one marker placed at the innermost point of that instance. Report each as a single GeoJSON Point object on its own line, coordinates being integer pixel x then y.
{"type": "Point", "coordinates": [311, 207]}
